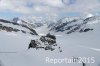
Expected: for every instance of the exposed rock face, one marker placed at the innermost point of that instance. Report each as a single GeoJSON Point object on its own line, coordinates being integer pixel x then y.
{"type": "Point", "coordinates": [47, 42]}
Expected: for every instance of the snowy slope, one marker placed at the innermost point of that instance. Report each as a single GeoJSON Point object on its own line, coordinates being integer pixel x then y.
{"type": "Point", "coordinates": [14, 52]}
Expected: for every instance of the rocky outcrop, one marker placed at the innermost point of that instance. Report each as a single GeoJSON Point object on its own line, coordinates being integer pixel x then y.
{"type": "Point", "coordinates": [47, 42]}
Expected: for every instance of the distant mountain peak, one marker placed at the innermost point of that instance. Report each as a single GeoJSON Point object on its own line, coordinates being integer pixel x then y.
{"type": "Point", "coordinates": [89, 15]}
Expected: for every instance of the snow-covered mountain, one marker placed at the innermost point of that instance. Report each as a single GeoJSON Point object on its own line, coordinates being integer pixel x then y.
{"type": "Point", "coordinates": [70, 25]}
{"type": "Point", "coordinates": [14, 43]}
{"type": "Point", "coordinates": [16, 27]}
{"type": "Point", "coordinates": [31, 24]}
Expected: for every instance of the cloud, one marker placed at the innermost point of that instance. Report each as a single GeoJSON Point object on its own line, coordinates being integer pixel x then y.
{"type": "Point", "coordinates": [50, 7]}
{"type": "Point", "coordinates": [83, 5]}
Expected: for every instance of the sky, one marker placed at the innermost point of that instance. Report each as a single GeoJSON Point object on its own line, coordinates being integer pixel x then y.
{"type": "Point", "coordinates": [48, 8]}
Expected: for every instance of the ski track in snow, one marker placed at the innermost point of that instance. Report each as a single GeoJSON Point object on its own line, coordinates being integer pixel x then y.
{"type": "Point", "coordinates": [91, 48]}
